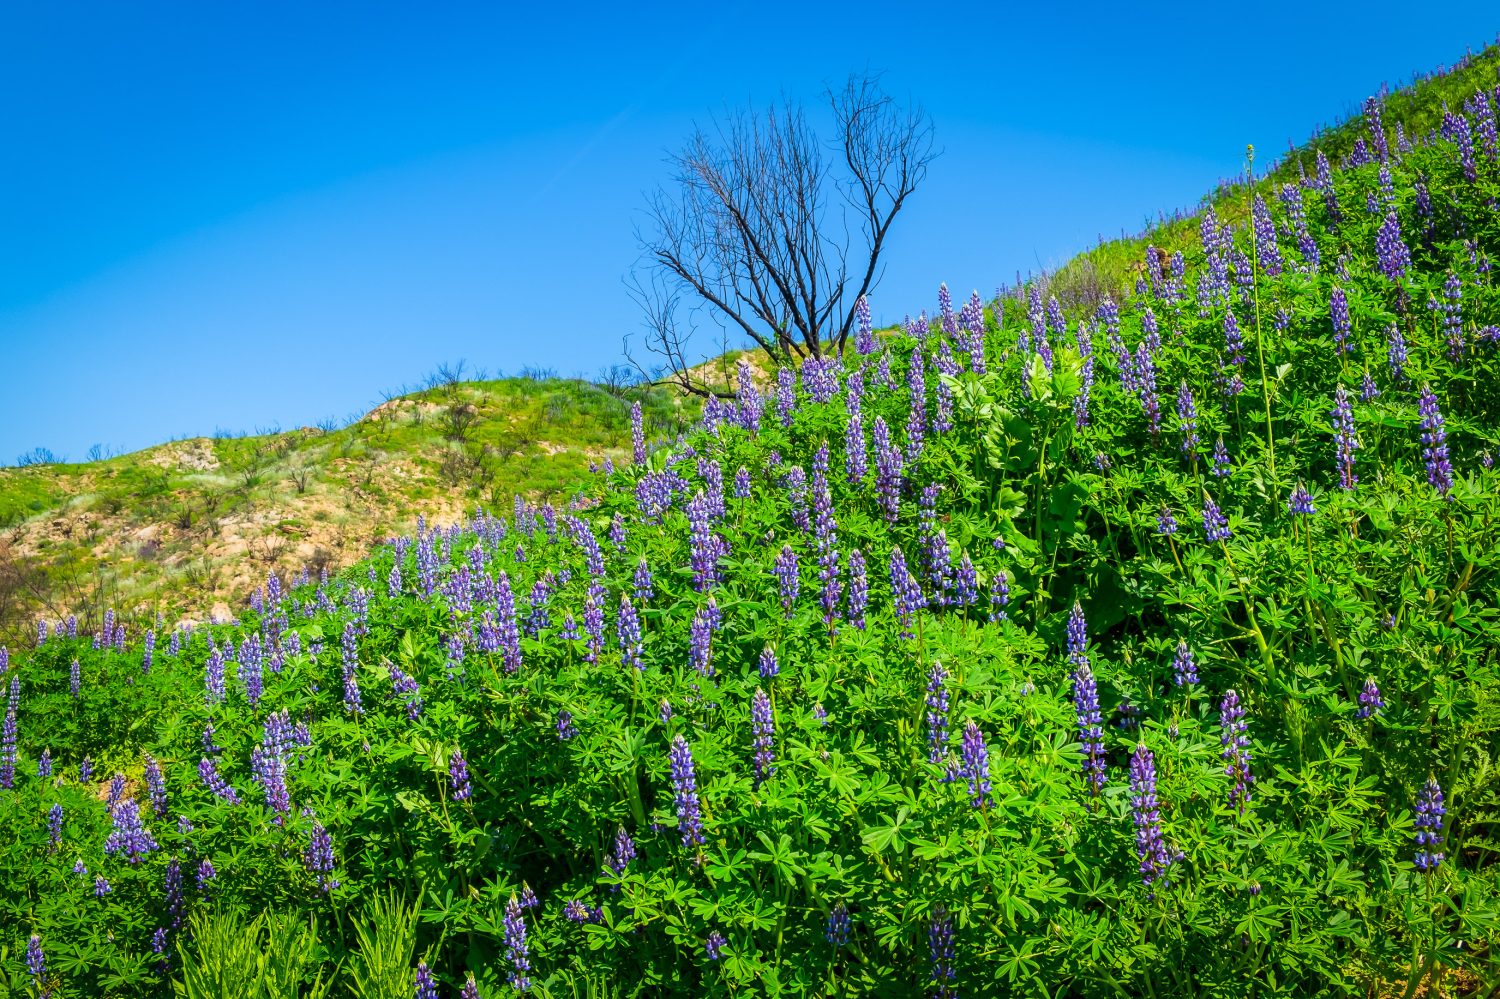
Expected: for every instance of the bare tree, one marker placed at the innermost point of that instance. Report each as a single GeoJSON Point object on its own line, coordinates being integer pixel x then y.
{"type": "Point", "coordinates": [760, 232]}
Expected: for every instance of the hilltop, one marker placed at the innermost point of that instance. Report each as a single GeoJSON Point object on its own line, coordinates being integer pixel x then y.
{"type": "Point", "coordinates": [185, 530]}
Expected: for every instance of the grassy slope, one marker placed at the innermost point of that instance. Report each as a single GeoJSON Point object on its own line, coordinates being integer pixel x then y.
{"type": "Point", "coordinates": [185, 528]}
{"type": "Point", "coordinates": [1113, 266]}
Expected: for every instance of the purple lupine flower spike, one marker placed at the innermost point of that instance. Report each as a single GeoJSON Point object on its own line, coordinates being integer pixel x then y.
{"type": "Point", "coordinates": [1435, 444]}
{"type": "Point", "coordinates": [976, 765]}
{"type": "Point", "coordinates": [1090, 729]}
{"type": "Point", "coordinates": [1429, 824]}
{"type": "Point", "coordinates": [458, 775]}
{"type": "Point", "coordinates": [1146, 813]}
{"type": "Point", "coordinates": [940, 943]}
{"type": "Point", "coordinates": [685, 791]}
{"type": "Point", "coordinates": [516, 950]}
{"type": "Point", "coordinates": [1370, 703]}
{"type": "Point", "coordinates": [1300, 502]}
{"type": "Point", "coordinates": [1184, 669]}
{"type": "Point", "coordinates": [937, 714]}
{"type": "Point", "coordinates": [763, 729]}
{"type": "Point", "coordinates": [426, 988]}
{"type": "Point", "coordinates": [1215, 524]}
{"type": "Point", "coordinates": [838, 925]}
{"type": "Point", "coordinates": [1236, 751]}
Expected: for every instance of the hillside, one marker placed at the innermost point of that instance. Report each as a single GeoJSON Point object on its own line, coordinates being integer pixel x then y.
{"type": "Point", "coordinates": [184, 531]}
{"type": "Point", "coordinates": [1149, 649]}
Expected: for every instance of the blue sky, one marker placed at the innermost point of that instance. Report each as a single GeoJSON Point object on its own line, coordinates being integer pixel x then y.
{"type": "Point", "coordinates": [242, 218]}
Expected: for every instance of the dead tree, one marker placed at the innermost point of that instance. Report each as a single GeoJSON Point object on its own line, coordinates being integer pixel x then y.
{"type": "Point", "coordinates": [761, 233]}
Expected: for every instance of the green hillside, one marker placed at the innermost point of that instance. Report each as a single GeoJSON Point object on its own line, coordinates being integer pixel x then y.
{"type": "Point", "coordinates": [1142, 648]}
{"type": "Point", "coordinates": [187, 529]}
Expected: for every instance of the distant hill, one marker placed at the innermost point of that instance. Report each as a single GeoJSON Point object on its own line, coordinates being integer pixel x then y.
{"type": "Point", "coordinates": [185, 530]}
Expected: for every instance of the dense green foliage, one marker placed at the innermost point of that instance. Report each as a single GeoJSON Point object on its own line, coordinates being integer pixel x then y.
{"type": "Point", "coordinates": [928, 804]}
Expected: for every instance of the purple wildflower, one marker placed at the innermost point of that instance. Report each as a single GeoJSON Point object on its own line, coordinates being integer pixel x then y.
{"type": "Point", "coordinates": [1184, 669]}
{"type": "Point", "coordinates": [1236, 749]}
{"type": "Point", "coordinates": [1370, 702]}
{"type": "Point", "coordinates": [458, 775]}
{"type": "Point", "coordinates": [763, 729]}
{"type": "Point", "coordinates": [685, 792]}
{"type": "Point", "coordinates": [1146, 812]}
{"type": "Point", "coordinates": [1429, 824]}
{"type": "Point", "coordinates": [1435, 444]}
{"type": "Point", "coordinates": [1090, 730]}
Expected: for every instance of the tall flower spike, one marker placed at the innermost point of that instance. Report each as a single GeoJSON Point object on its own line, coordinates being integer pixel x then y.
{"type": "Point", "coordinates": [937, 714]}
{"type": "Point", "coordinates": [1078, 636]}
{"type": "Point", "coordinates": [516, 950]}
{"type": "Point", "coordinates": [1236, 750]}
{"type": "Point", "coordinates": [763, 729]}
{"type": "Point", "coordinates": [1090, 729]}
{"type": "Point", "coordinates": [976, 764]}
{"type": "Point", "coordinates": [940, 942]}
{"type": "Point", "coordinates": [1435, 444]}
{"type": "Point", "coordinates": [1370, 703]}
{"type": "Point", "coordinates": [1429, 824]}
{"type": "Point", "coordinates": [1150, 848]}
{"type": "Point", "coordinates": [1184, 669]}
{"type": "Point", "coordinates": [685, 792]}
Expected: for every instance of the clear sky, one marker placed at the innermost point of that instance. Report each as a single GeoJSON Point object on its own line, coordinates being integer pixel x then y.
{"type": "Point", "coordinates": [256, 215]}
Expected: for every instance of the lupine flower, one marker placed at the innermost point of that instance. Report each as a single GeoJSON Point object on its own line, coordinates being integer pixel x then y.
{"type": "Point", "coordinates": [864, 338]}
{"type": "Point", "coordinates": [1435, 444]}
{"type": "Point", "coordinates": [624, 852]}
{"type": "Point", "coordinates": [1236, 751]}
{"type": "Point", "coordinates": [763, 728]}
{"type": "Point", "coordinates": [156, 786]}
{"type": "Point", "coordinates": [404, 688]}
{"type": "Point", "coordinates": [838, 925]}
{"type": "Point", "coordinates": [796, 489]}
{"type": "Point", "coordinates": [318, 858]}
{"type": "Point", "coordinates": [206, 874]}
{"type": "Point", "coordinates": [859, 589]}
{"type": "Point", "coordinates": [1265, 238]}
{"type": "Point", "coordinates": [116, 792]}
{"type": "Point", "coordinates": [637, 434]}
{"type": "Point", "coordinates": [1078, 636]}
{"type": "Point", "coordinates": [786, 395]}
{"type": "Point", "coordinates": [855, 462]}
{"type": "Point", "coordinates": [888, 469]}
{"type": "Point", "coordinates": [787, 578]}
{"type": "Point", "coordinates": [208, 772]}
{"type": "Point", "coordinates": [36, 964]}
{"type": "Point", "coordinates": [75, 678]}
{"type": "Point", "coordinates": [1394, 258]}
{"type": "Point", "coordinates": [471, 988]}
{"type": "Point", "coordinates": [101, 886]}
{"type": "Point", "coordinates": [685, 791]}
{"type": "Point", "coordinates": [505, 623]}
{"type": "Point", "coordinates": [1429, 823]}
{"type": "Point", "coordinates": [1221, 458]}
{"type": "Point", "coordinates": [1187, 418]}
{"type": "Point", "coordinates": [1166, 524]}
{"type": "Point", "coordinates": [565, 728]}
{"type": "Point", "coordinates": [54, 825]}
{"type": "Point", "coordinates": [348, 646]}
{"type": "Point", "coordinates": [1090, 731]}
{"type": "Point", "coordinates": [1146, 812]}
{"type": "Point", "coordinates": [700, 638]}
{"type": "Point", "coordinates": [1300, 503]}
{"type": "Point", "coordinates": [976, 765]}
{"type": "Point", "coordinates": [1145, 374]}
{"type": "Point", "coordinates": [1370, 702]}
{"type": "Point", "coordinates": [426, 988]}
{"type": "Point", "coordinates": [908, 595]}
{"type": "Point", "coordinates": [1338, 310]}
{"type": "Point", "coordinates": [1184, 670]}
{"type": "Point", "coordinates": [1215, 525]}
{"type": "Point", "coordinates": [999, 596]}
{"type": "Point", "coordinates": [768, 664]}
{"type": "Point", "coordinates": [940, 943]}
{"type": "Point", "coordinates": [128, 837]}
{"type": "Point", "coordinates": [213, 677]}
{"type": "Point", "coordinates": [458, 775]}
{"type": "Point", "coordinates": [713, 946]}
{"type": "Point", "coordinates": [85, 770]}
{"type": "Point", "coordinates": [937, 714]}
